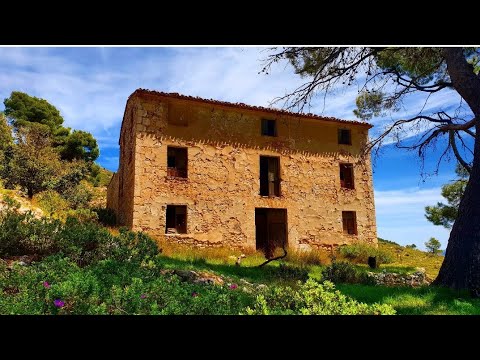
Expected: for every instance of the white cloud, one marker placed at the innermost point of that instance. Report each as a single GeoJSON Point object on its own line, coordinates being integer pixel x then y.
{"type": "Point", "coordinates": [401, 216]}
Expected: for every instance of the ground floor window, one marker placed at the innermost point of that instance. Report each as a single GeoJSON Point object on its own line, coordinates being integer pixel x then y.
{"type": "Point", "coordinates": [176, 220]}
{"type": "Point", "coordinates": [349, 219]}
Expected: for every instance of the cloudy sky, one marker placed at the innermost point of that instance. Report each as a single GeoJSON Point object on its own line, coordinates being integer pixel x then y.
{"type": "Point", "coordinates": [90, 87]}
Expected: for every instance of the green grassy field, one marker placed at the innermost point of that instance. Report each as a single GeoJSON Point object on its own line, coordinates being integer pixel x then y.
{"type": "Point", "coordinates": [405, 300]}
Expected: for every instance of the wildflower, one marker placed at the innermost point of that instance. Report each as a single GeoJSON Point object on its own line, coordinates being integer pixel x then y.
{"type": "Point", "coordinates": [143, 296]}
{"type": "Point", "coordinates": [233, 286]}
{"type": "Point", "coordinates": [194, 294]}
{"type": "Point", "coordinates": [46, 285]}
{"type": "Point", "coordinates": [59, 303]}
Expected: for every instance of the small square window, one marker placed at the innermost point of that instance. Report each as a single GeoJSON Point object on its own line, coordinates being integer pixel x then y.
{"type": "Point", "coordinates": [176, 219]}
{"type": "Point", "coordinates": [269, 127]}
{"type": "Point", "coordinates": [344, 137]}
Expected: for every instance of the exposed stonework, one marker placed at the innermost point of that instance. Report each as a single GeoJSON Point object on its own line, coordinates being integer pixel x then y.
{"type": "Point", "coordinates": [418, 278]}
{"type": "Point", "coordinates": [221, 191]}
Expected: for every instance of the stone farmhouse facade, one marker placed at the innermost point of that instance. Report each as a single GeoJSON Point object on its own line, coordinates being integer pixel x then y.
{"type": "Point", "coordinates": [212, 173]}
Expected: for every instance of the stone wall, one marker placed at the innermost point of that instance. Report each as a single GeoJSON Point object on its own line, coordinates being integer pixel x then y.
{"type": "Point", "coordinates": [222, 188]}
{"type": "Point", "coordinates": [418, 278]}
{"type": "Point", "coordinates": [112, 193]}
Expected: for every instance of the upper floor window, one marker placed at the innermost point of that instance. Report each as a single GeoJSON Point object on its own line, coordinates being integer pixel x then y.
{"type": "Point", "coordinates": [346, 176]}
{"type": "Point", "coordinates": [269, 176]}
{"type": "Point", "coordinates": [269, 127]}
{"type": "Point", "coordinates": [177, 159]}
{"type": "Point", "coordinates": [178, 115]}
{"type": "Point", "coordinates": [345, 136]}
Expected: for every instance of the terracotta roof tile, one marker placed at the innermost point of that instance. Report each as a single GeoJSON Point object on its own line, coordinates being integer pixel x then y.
{"type": "Point", "coordinates": [140, 92]}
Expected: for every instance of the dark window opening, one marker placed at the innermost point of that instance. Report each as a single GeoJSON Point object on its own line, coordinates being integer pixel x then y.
{"type": "Point", "coordinates": [270, 230]}
{"type": "Point", "coordinates": [178, 115]}
{"type": "Point", "coordinates": [176, 221]}
{"type": "Point", "coordinates": [269, 127]}
{"type": "Point", "coordinates": [346, 176]}
{"type": "Point", "coordinates": [269, 176]}
{"type": "Point", "coordinates": [349, 219]}
{"type": "Point", "coordinates": [344, 136]}
{"type": "Point", "coordinates": [177, 162]}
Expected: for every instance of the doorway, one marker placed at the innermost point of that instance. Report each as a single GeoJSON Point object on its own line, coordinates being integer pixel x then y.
{"type": "Point", "coordinates": [270, 230]}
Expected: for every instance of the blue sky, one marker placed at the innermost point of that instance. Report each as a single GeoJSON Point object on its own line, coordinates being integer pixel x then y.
{"type": "Point", "coordinates": [90, 86]}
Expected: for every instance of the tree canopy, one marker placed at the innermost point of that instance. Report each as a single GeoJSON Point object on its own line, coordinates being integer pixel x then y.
{"type": "Point", "coordinates": [24, 110]}
{"type": "Point", "coordinates": [386, 76]}
{"type": "Point", "coordinates": [445, 214]}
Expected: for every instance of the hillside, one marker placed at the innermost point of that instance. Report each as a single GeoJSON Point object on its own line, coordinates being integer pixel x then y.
{"type": "Point", "coordinates": [412, 258]}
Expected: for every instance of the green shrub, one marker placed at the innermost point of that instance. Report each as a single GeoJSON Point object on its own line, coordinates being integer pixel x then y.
{"type": "Point", "coordinates": [78, 197]}
{"type": "Point", "coordinates": [289, 272]}
{"type": "Point", "coordinates": [109, 287]}
{"type": "Point", "coordinates": [23, 234]}
{"type": "Point", "coordinates": [360, 253]}
{"type": "Point", "coordinates": [106, 216]}
{"type": "Point", "coordinates": [312, 298]}
{"type": "Point", "coordinates": [344, 272]}
{"type": "Point", "coordinates": [51, 202]}
{"type": "Point", "coordinates": [82, 240]}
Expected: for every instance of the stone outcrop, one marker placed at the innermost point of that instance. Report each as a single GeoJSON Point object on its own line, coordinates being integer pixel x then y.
{"type": "Point", "coordinates": [418, 278]}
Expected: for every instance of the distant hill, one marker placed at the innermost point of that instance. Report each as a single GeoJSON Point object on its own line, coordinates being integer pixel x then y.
{"type": "Point", "coordinates": [387, 241]}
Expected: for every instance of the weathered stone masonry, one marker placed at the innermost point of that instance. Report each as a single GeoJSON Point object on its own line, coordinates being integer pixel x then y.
{"type": "Point", "coordinates": [224, 143]}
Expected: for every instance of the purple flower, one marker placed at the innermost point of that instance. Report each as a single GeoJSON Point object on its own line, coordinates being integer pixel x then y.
{"type": "Point", "coordinates": [46, 285]}
{"type": "Point", "coordinates": [59, 303]}
{"type": "Point", "coordinates": [194, 294]}
{"type": "Point", "coordinates": [233, 286]}
{"type": "Point", "coordinates": [143, 296]}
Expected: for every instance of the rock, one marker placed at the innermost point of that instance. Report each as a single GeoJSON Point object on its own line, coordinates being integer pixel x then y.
{"type": "Point", "coordinates": [204, 277]}
{"type": "Point", "coordinates": [262, 287]}
{"type": "Point", "coordinates": [245, 282]}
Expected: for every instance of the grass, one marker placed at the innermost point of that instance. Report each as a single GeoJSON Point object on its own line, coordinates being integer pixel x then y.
{"type": "Point", "coordinates": [426, 300]}
{"type": "Point", "coordinates": [411, 258]}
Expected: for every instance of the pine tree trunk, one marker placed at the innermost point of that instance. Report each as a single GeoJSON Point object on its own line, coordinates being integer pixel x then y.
{"type": "Point", "coordinates": [461, 267]}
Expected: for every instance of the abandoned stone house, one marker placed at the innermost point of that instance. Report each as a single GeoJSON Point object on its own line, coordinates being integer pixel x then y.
{"type": "Point", "coordinates": [213, 173]}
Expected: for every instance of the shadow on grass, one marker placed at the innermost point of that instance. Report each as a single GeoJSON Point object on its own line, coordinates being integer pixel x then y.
{"type": "Point", "coordinates": [271, 273]}
{"type": "Point", "coordinates": [415, 301]}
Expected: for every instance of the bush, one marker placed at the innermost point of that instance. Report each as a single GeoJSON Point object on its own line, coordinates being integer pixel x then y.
{"type": "Point", "coordinates": [106, 216]}
{"type": "Point", "coordinates": [79, 238]}
{"type": "Point", "coordinates": [289, 272]}
{"type": "Point", "coordinates": [360, 253]}
{"type": "Point", "coordinates": [312, 298]}
{"type": "Point", "coordinates": [342, 272]}
{"type": "Point", "coordinates": [109, 287]}
{"type": "Point", "coordinates": [78, 197]}
{"type": "Point", "coordinates": [23, 234]}
{"type": "Point", "coordinates": [51, 202]}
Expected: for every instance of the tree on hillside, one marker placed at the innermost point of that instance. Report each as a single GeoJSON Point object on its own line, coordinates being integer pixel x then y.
{"type": "Point", "coordinates": [23, 110]}
{"type": "Point", "coordinates": [412, 246]}
{"type": "Point", "coordinates": [79, 145]}
{"type": "Point", "coordinates": [388, 76]}
{"type": "Point", "coordinates": [433, 245]}
{"type": "Point", "coordinates": [445, 215]}
{"type": "Point", "coordinates": [6, 140]}
{"type": "Point", "coordinates": [35, 166]}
